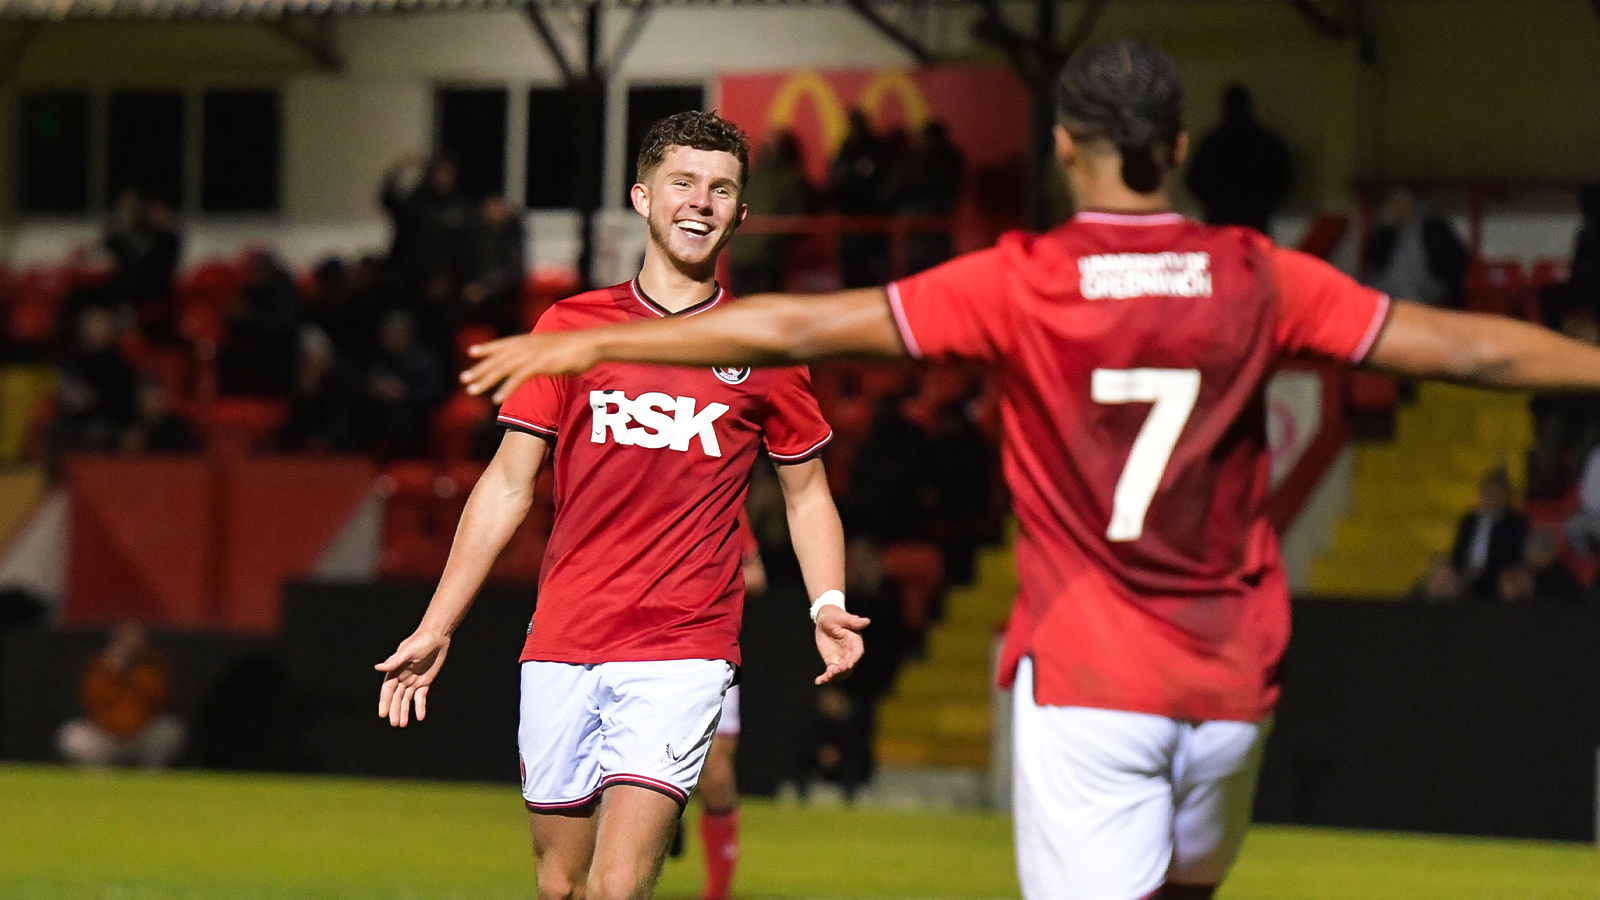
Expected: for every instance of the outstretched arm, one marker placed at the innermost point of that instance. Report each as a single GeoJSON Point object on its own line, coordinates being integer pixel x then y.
{"type": "Point", "coordinates": [497, 505]}
{"type": "Point", "coordinates": [819, 546]}
{"type": "Point", "coordinates": [765, 330]}
{"type": "Point", "coordinates": [1493, 351]}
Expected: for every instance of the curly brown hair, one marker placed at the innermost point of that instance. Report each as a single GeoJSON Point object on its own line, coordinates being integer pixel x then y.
{"type": "Point", "coordinates": [697, 130]}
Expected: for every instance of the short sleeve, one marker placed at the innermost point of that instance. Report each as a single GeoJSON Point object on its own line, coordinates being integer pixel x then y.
{"type": "Point", "coordinates": [958, 309]}
{"type": "Point", "coordinates": [535, 406]}
{"type": "Point", "coordinates": [795, 430]}
{"type": "Point", "coordinates": [1324, 311]}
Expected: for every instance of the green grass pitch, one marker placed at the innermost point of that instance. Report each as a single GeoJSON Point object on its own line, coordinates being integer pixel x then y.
{"type": "Point", "coordinates": [70, 835]}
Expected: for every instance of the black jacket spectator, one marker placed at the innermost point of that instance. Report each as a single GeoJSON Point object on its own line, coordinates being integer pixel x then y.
{"type": "Point", "coordinates": [859, 185]}
{"type": "Point", "coordinates": [499, 250]}
{"type": "Point", "coordinates": [402, 387]}
{"type": "Point", "coordinates": [321, 403]}
{"type": "Point", "coordinates": [97, 386]}
{"type": "Point", "coordinates": [1241, 172]}
{"type": "Point", "coordinates": [432, 224]}
{"type": "Point", "coordinates": [1584, 290]}
{"type": "Point", "coordinates": [928, 183]}
{"type": "Point", "coordinates": [1489, 538]}
{"type": "Point", "coordinates": [1414, 253]}
{"type": "Point", "coordinates": [258, 357]}
{"type": "Point", "coordinates": [144, 247]}
{"type": "Point", "coordinates": [158, 429]}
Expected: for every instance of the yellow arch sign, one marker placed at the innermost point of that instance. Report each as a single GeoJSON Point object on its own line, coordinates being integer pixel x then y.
{"type": "Point", "coordinates": [807, 83]}
{"type": "Point", "coordinates": [834, 114]}
{"type": "Point", "coordinates": [897, 82]}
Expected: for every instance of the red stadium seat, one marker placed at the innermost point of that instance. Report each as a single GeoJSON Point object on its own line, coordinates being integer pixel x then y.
{"type": "Point", "coordinates": [1551, 516]}
{"type": "Point", "coordinates": [1550, 270]}
{"type": "Point", "coordinates": [1373, 391]}
{"type": "Point", "coordinates": [455, 426]}
{"type": "Point", "coordinates": [917, 567]}
{"type": "Point", "coordinates": [466, 337]}
{"type": "Point", "coordinates": [244, 424]}
{"type": "Point", "coordinates": [543, 287]}
{"type": "Point", "coordinates": [1502, 288]}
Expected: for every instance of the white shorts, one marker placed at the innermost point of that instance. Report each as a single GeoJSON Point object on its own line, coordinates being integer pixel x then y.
{"type": "Point", "coordinates": [728, 725]}
{"type": "Point", "coordinates": [584, 728]}
{"type": "Point", "coordinates": [1111, 805]}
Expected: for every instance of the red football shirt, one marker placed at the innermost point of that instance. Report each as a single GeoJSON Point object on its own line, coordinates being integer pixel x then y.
{"type": "Point", "coordinates": [1133, 353]}
{"type": "Point", "coordinates": [651, 467]}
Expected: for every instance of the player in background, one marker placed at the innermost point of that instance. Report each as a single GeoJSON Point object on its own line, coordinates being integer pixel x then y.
{"type": "Point", "coordinates": [1132, 347]}
{"type": "Point", "coordinates": [634, 638]}
{"type": "Point", "coordinates": [719, 786]}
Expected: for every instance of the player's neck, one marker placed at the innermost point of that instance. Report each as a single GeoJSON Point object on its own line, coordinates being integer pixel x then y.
{"type": "Point", "coordinates": [1105, 192]}
{"type": "Point", "coordinates": [671, 288]}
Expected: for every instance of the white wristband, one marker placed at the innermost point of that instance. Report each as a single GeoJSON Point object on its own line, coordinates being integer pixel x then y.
{"type": "Point", "coordinates": [828, 598]}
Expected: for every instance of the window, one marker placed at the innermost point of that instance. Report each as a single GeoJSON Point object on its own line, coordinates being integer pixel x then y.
{"type": "Point", "coordinates": [554, 177]}
{"type": "Point", "coordinates": [239, 169]}
{"type": "Point", "coordinates": [648, 105]}
{"type": "Point", "coordinates": [53, 153]}
{"type": "Point", "coordinates": [470, 128]}
{"type": "Point", "coordinates": [151, 144]}
{"type": "Point", "coordinates": [144, 146]}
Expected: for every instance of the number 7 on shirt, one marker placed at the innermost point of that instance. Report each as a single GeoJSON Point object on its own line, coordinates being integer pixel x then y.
{"type": "Point", "coordinates": [1173, 393]}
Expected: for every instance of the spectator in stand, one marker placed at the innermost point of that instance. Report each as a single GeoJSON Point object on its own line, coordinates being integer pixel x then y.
{"type": "Point", "coordinates": [124, 693]}
{"type": "Point", "coordinates": [1241, 172]}
{"type": "Point", "coordinates": [925, 473]}
{"type": "Point", "coordinates": [776, 187]}
{"type": "Point", "coordinates": [960, 469]}
{"type": "Point", "coordinates": [432, 221]}
{"type": "Point", "coordinates": [257, 357]}
{"type": "Point", "coordinates": [1583, 292]}
{"type": "Point", "coordinates": [1541, 576]}
{"type": "Point", "coordinates": [97, 386]}
{"type": "Point", "coordinates": [889, 498]}
{"type": "Point", "coordinates": [320, 404]}
{"type": "Point", "coordinates": [858, 184]}
{"type": "Point", "coordinates": [1566, 426]}
{"type": "Point", "coordinates": [158, 429]}
{"type": "Point", "coordinates": [1583, 528]}
{"type": "Point", "coordinates": [401, 389]}
{"type": "Point", "coordinates": [144, 247]}
{"type": "Point", "coordinates": [1413, 252]}
{"type": "Point", "coordinates": [342, 304]}
{"type": "Point", "coordinates": [1441, 583]}
{"type": "Point", "coordinates": [1489, 538]}
{"type": "Point", "coordinates": [928, 183]}
{"type": "Point", "coordinates": [847, 710]}
{"type": "Point", "coordinates": [494, 293]}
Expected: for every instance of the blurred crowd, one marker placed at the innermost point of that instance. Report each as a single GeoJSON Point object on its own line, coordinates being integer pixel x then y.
{"type": "Point", "coordinates": [875, 173]}
{"type": "Point", "coordinates": [354, 356]}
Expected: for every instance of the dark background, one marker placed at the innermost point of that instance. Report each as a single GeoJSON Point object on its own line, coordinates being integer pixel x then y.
{"type": "Point", "coordinates": [1466, 720]}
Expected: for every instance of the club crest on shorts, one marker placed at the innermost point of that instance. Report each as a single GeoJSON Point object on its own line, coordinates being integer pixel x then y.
{"type": "Point", "coordinates": [730, 375]}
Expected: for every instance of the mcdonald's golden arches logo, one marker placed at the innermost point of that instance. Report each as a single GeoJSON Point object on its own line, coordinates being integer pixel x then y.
{"type": "Point", "coordinates": [834, 113]}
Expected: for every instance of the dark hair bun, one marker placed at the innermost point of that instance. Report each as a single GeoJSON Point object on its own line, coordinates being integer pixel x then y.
{"type": "Point", "coordinates": [1128, 93]}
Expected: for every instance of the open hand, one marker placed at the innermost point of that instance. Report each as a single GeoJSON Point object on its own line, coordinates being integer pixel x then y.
{"type": "Point", "coordinates": [407, 674]}
{"type": "Point", "coordinates": [839, 641]}
{"type": "Point", "coordinates": [510, 361]}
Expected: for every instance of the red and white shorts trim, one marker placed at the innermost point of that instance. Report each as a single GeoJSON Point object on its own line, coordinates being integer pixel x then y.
{"type": "Point", "coordinates": [1111, 805]}
{"type": "Point", "coordinates": [584, 728]}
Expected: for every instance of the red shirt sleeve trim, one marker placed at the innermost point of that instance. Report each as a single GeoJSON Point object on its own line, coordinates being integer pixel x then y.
{"type": "Point", "coordinates": [803, 455]}
{"type": "Point", "coordinates": [1379, 317]}
{"type": "Point", "coordinates": [900, 322]}
{"type": "Point", "coordinates": [525, 425]}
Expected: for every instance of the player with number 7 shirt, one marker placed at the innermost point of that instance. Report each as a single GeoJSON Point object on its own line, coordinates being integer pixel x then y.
{"type": "Point", "coordinates": [1133, 347]}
